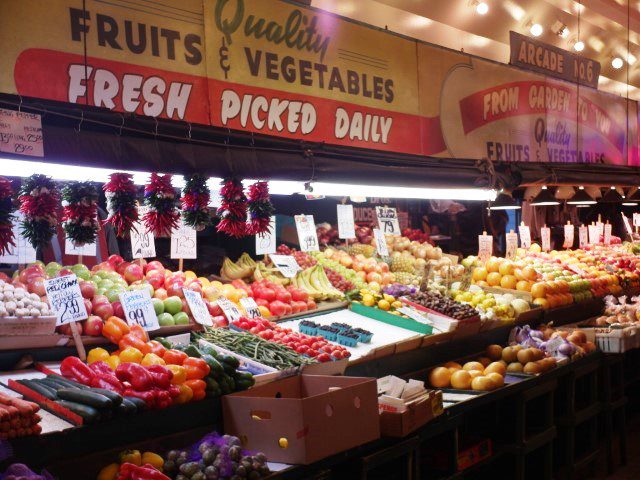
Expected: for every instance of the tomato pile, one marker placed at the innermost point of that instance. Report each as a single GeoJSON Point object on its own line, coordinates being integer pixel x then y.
{"type": "Point", "coordinates": [316, 347]}
{"type": "Point", "coordinates": [280, 300]}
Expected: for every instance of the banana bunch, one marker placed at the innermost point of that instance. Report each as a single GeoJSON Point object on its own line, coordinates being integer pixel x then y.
{"type": "Point", "coordinates": [315, 282]}
{"type": "Point", "coordinates": [243, 268]}
{"type": "Point", "coordinates": [263, 272]}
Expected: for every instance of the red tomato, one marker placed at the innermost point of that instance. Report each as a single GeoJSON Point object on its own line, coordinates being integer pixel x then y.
{"type": "Point", "coordinates": [328, 348]}
{"type": "Point", "coordinates": [302, 348]}
{"type": "Point", "coordinates": [324, 357]}
{"type": "Point", "coordinates": [278, 308]}
{"type": "Point", "coordinates": [295, 308]}
{"type": "Point", "coordinates": [316, 345]}
{"type": "Point", "coordinates": [288, 309]}
{"type": "Point", "coordinates": [337, 354]}
{"type": "Point", "coordinates": [254, 330]}
{"type": "Point", "coordinates": [283, 296]}
{"type": "Point", "coordinates": [302, 306]}
{"type": "Point", "coordinates": [243, 325]}
{"type": "Point", "coordinates": [268, 294]}
{"type": "Point", "coordinates": [311, 305]}
{"type": "Point", "coordinates": [312, 353]}
{"type": "Point", "coordinates": [299, 295]}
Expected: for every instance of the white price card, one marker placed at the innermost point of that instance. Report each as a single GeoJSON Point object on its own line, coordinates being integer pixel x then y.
{"type": "Point", "coordinates": [594, 235]}
{"type": "Point", "coordinates": [66, 299]}
{"type": "Point", "coordinates": [198, 309]}
{"type": "Point", "coordinates": [545, 237]}
{"type": "Point", "coordinates": [525, 236]}
{"type": "Point", "coordinates": [381, 242]}
{"type": "Point", "coordinates": [21, 133]}
{"type": "Point", "coordinates": [229, 309]}
{"type": "Point", "coordinates": [286, 264]}
{"type": "Point", "coordinates": [184, 242]}
{"type": "Point", "coordinates": [251, 307]}
{"type": "Point", "coordinates": [23, 252]}
{"type": "Point", "coordinates": [600, 226]}
{"type": "Point", "coordinates": [346, 224]}
{"type": "Point", "coordinates": [138, 309]}
{"type": "Point", "coordinates": [388, 220]}
{"type": "Point", "coordinates": [512, 244]}
{"type": "Point", "coordinates": [86, 250]}
{"type": "Point", "coordinates": [636, 219]}
{"type": "Point", "coordinates": [485, 247]}
{"type": "Point", "coordinates": [143, 243]}
{"type": "Point", "coordinates": [607, 234]}
{"type": "Point", "coordinates": [307, 235]}
{"type": "Point", "coordinates": [583, 238]}
{"type": "Point", "coordinates": [266, 242]}
{"type": "Point", "coordinates": [627, 226]}
{"type": "Point", "coordinates": [568, 236]}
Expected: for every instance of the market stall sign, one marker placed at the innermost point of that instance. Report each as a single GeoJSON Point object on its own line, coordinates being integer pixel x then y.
{"type": "Point", "coordinates": [346, 224]}
{"type": "Point", "coordinates": [286, 264]}
{"type": "Point", "coordinates": [21, 133]}
{"type": "Point", "coordinates": [543, 58]}
{"type": "Point", "coordinates": [266, 242]}
{"type": "Point", "coordinates": [607, 234]}
{"type": "Point", "coordinates": [525, 236]}
{"type": "Point", "coordinates": [184, 242]}
{"type": "Point", "coordinates": [138, 309]}
{"type": "Point", "coordinates": [229, 309]}
{"type": "Point", "coordinates": [307, 234]}
{"type": "Point", "coordinates": [512, 244]}
{"type": "Point", "coordinates": [86, 250]}
{"type": "Point", "coordinates": [65, 299]}
{"type": "Point", "coordinates": [545, 238]}
{"type": "Point", "coordinates": [568, 235]}
{"type": "Point", "coordinates": [381, 242]}
{"type": "Point", "coordinates": [583, 238]}
{"type": "Point", "coordinates": [388, 220]}
{"type": "Point", "coordinates": [198, 309]}
{"type": "Point", "coordinates": [143, 243]}
{"type": "Point", "coordinates": [251, 307]}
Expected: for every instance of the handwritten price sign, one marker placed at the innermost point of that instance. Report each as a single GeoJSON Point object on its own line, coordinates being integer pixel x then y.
{"type": "Point", "coordinates": [184, 242]}
{"type": "Point", "coordinates": [568, 236]}
{"type": "Point", "coordinates": [346, 225]}
{"type": "Point", "coordinates": [266, 242]}
{"type": "Point", "coordinates": [388, 220]}
{"type": "Point", "coordinates": [286, 264]}
{"type": "Point", "coordinates": [198, 309]}
{"type": "Point", "coordinates": [66, 299]}
{"type": "Point", "coordinates": [143, 243]}
{"type": "Point", "coordinates": [525, 236]}
{"type": "Point", "coordinates": [512, 244]}
{"type": "Point", "coordinates": [138, 309]}
{"type": "Point", "coordinates": [307, 236]}
{"type": "Point", "coordinates": [251, 307]}
{"type": "Point", "coordinates": [229, 309]}
{"type": "Point", "coordinates": [21, 133]}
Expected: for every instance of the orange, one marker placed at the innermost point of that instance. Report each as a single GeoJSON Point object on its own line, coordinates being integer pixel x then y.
{"type": "Point", "coordinates": [493, 279]}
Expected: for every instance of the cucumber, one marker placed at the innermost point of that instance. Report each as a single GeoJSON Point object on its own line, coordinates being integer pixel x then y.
{"type": "Point", "coordinates": [88, 414]}
{"type": "Point", "coordinates": [66, 382]}
{"type": "Point", "coordinates": [216, 367]}
{"type": "Point", "coordinates": [138, 402]}
{"type": "Point", "coordinates": [127, 407]}
{"type": "Point", "coordinates": [47, 382]}
{"type": "Point", "coordinates": [193, 351]}
{"type": "Point", "coordinates": [45, 391]}
{"type": "Point", "coordinates": [115, 398]}
{"type": "Point", "coordinates": [164, 342]}
{"type": "Point", "coordinates": [230, 360]}
{"type": "Point", "coordinates": [85, 397]}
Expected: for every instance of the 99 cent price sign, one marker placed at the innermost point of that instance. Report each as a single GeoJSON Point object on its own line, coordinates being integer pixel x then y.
{"type": "Point", "coordinates": [198, 309]}
{"type": "Point", "coordinates": [138, 309]}
{"type": "Point", "coordinates": [66, 299]}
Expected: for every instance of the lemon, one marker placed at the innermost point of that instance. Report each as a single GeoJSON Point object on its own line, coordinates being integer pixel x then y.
{"type": "Point", "coordinates": [388, 298]}
{"type": "Point", "coordinates": [398, 304]}
{"type": "Point", "coordinates": [368, 300]}
{"type": "Point", "coordinates": [384, 305]}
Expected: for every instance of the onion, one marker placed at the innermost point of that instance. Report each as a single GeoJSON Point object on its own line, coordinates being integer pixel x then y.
{"type": "Point", "coordinates": [566, 349]}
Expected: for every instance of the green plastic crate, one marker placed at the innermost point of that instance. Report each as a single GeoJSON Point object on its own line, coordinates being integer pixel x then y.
{"type": "Point", "coordinates": [395, 320]}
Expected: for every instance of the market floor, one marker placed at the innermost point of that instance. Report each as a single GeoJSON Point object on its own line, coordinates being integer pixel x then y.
{"type": "Point", "coordinates": [631, 471]}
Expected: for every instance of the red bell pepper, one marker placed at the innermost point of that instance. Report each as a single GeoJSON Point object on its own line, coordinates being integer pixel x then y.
{"type": "Point", "coordinates": [174, 357]}
{"type": "Point", "coordinates": [129, 471]}
{"type": "Point", "coordinates": [161, 375]}
{"type": "Point", "coordinates": [137, 375]}
{"type": "Point", "coordinates": [157, 348]}
{"type": "Point", "coordinates": [148, 396]}
{"type": "Point", "coordinates": [140, 333]}
{"type": "Point", "coordinates": [163, 398]}
{"type": "Point", "coordinates": [174, 391]}
{"type": "Point", "coordinates": [130, 340]}
{"type": "Point", "coordinates": [75, 369]}
{"type": "Point", "coordinates": [108, 382]}
{"type": "Point", "coordinates": [102, 367]}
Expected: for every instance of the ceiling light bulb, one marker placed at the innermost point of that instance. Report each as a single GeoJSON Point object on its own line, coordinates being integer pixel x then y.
{"type": "Point", "coordinates": [564, 33]}
{"type": "Point", "coordinates": [578, 46]}
{"type": "Point", "coordinates": [482, 8]}
{"type": "Point", "coordinates": [536, 29]}
{"type": "Point", "coordinates": [617, 63]}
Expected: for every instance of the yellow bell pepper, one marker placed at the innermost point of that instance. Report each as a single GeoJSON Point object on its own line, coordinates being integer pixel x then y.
{"type": "Point", "coordinates": [97, 355]}
{"type": "Point", "coordinates": [186, 394]}
{"type": "Point", "coordinates": [179, 374]}
{"type": "Point", "coordinates": [113, 361]}
{"type": "Point", "coordinates": [131, 355]}
{"type": "Point", "coordinates": [131, 456]}
{"type": "Point", "coordinates": [153, 459]}
{"type": "Point", "coordinates": [152, 359]}
{"type": "Point", "coordinates": [110, 472]}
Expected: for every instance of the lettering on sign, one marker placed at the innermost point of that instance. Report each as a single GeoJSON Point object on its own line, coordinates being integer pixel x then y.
{"type": "Point", "coordinates": [66, 299]}
{"type": "Point", "coordinates": [229, 309]}
{"type": "Point", "coordinates": [583, 237]}
{"type": "Point", "coordinates": [594, 235]}
{"type": "Point", "coordinates": [143, 243]}
{"type": "Point", "coordinates": [307, 235]}
{"type": "Point", "coordinates": [485, 247]}
{"type": "Point", "coordinates": [627, 225]}
{"type": "Point", "coordinates": [346, 225]}
{"type": "Point", "coordinates": [568, 236]}
{"type": "Point", "coordinates": [21, 133]}
{"type": "Point", "coordinates": [198, 309]}
{"type": "Point", "coordinates": [286, 264]}
{"type": "Point", "coordinates": [607, 234]}
{"type": "Point", "coordinates": [184, 242]}
{"type": "Point", "coordinates": [251, 307]}
{"type": "Point", "coordinates": [138, 309]}
{"type": "Point", "coordinates": [545, 237]}
{"type": "Point", "coordinates": [381, 242]}
{"type": "Point", "coordinates": [388, 220]}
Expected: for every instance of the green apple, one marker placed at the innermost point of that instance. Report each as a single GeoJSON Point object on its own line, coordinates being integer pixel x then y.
{"type": "Point", "coordinates": [158, 305]}
{"type": "Point", "coordinates": [101, 291]}
{"type": "Point", "coordinates": [181, 318]}
{"type": "Point", "coordinates": [166, 320]}
{"type": "Point", "coordinates": [102, 273]}
{"type": "Point", "coordinates": [172, 305]}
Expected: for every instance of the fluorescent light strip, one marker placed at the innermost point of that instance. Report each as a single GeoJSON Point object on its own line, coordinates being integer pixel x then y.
{"type": "Point", "coordinates": [344, 189]}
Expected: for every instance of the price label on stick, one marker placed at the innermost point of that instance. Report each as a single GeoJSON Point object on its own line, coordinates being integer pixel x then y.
{"type": "Point", "coordinates": [636, 219]}
{"type": "Point", "coordinates": [23, 252]}
{"type": "Point", "coordinates": [525, 236]}
{"type": "Point", "coordinates": [286, 264]}
{"type": "Point", "coordinates": [66, 299]}
{"type": "Point", "coordinates": [512, 244]}
{"type": "Point", "coordinates": [346, 225]}
{"type": "Point", "coordinates": [251, 307]}
{"type": "Point", "coordinates": [545, 236]}
{"type": "Point", "coordinates": [229, 309]}
{"type": "Point", "coordinates": [86, 250]}
{"type": "Point", "coordinates": [307, 235]}
{"type": "Point", "coordinates": [485, 247]}
{"type": "Point", "coordinates": [184, 242]}
{"type": "Point", "coordinates": [138, 309]}
{"type": "Point", "coordinates": [594, 235]}
{"type": "Point", "coordinates": [381, 242]}
{"type": "Point", "coordinates": [198, 309]}
{"type": "Point", "coordinates": [583, 238]}
{"type": "Point", "coordinates": [388, 220]}
{"type": "Point", "coordinates": [266, 242]}
{"type": "Point", "coordinates": [627, 226]}
{"type": "Point", "coordinates": [568, 236]}
{"type": "Point", "coordinates": [143, 243]}
{"type": "Point", "coordinates": [607, 234]}
{"type": "Point", "coordinates": [600, 226]}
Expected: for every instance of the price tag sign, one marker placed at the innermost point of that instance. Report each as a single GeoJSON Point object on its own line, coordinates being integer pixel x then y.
{"type": "Point", "coordinates": [66, 299]}
{"type": "Point", "coordinates": [388, 220]}
{"type": "Point", "coordinates": [636, 219]}
{"type": "Point", "coordinates": [86, 250]}
{"type": "Point", "coordinates": [184, 242]}
{"type": "Point", "coordinates": [485, 247]}
{"type": "Point", "coordinates": [286, 264]}
{"type": "Point", "coordinates": [138, 309]}
{"type": "Point", "coordinates": [23, 252]}
{"type": "Point", "coordinates": [600, 226]}
{"type": "Point", "coordinates": [545, 235]}
{"type": "Point", "coordinates": [627, 226]}
{"type": "Point", "coordinates": [583, 238]}
{"type": "Point", "coordinates": [512, 244]}
{"type": "Point", "coordinates": [143, 243]}
{"type": "Point", "coordinates": [594, 235]}
{"type": "Point", "coordinates": [198, 309]}
{"type": "Point", "coordinates": [346, 225]}
{"type": "Point", "coordinates": [607, 234]}
{"type": "Point", "coordinates": [266, 242]}
{"type": "Point", "coordinates": [381, 242]}
{"type": "Point", "coordinates": [568, 236]}
{"type": "Point", "coordinates": [229, 309]}
{"type": "Point", "coordinates": [307, 235]}
{"type": "Point", "coordinates": [21, 133]}
{"type": "Point", "coordinates": [525, 236]}
{"type": "Point", "coordinates": [251, 307]}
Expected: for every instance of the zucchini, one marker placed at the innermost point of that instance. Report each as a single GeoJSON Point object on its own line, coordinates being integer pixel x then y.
{"type": "Point", "coordinates": [230, 360]}
{"type": "Point", "coordinates": [192, 351]}
{"type": "Point", "coordinates": [138, 402]}
{"type": "Point", "coordinates": [164, 342]}
{"type": "Point", "coordinates": [85, 397]}
{"type": "Point", "coordinates": [66, 382]}
{"type": "Point", "coordinates": [115, 398]}
{"type": "Point", "coordinates": [216, 368]}
{"type": "Point", "coordinates": [45, 391]}
{"type": "Point", "coordinates": [88, 414]}
{"type": "Point", "coordinates": [127, 407]}
{"type": "Point", "coordinates": [50, 383]}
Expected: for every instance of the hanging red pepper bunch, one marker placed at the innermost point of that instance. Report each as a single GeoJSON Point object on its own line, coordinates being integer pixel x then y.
{"type": "Point", "coordinates": [195, 202]}
{"type": "Point", "coordinates": [39, 198]}
{"type": "Point", "coordinates": [233, 209]}
{"type": "Point", "coordinates": [260, 208]}
{"type": "Point", "coordinates": [80, 212]}
{"type": "Point", "coordinates": [121, 203]}
{"type": "Point", "coordinates": [160, 197]}
{"type": "Point", "coordinates": [6, 216]}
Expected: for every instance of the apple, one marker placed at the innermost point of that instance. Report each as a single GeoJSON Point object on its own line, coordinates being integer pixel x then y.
{"type": "Point", "coordinates": [93, 326]}
{"type": "Point", "coordinates": [66, 329]}
{"type": "Point", "coordinates": [214, 309]}
{"type": "Point", "coordinates": [195, 286]}
{"type": "Point", "coordinates": [36, 285]}
{"type": "Point", "coordinates": [155, 279]}
{"type": "Point", "coordinates": [154, 265]}
{"type": "Point", "coordinates": [64, 271]}
{"type": "Point", "coordinates": [160, 293]}
{"type": "Point", "coordinates": [211, 293]}
{"type": "Point", "coordinates": [220, 321]}
{"type": "Point", "coordinates": [158, 305]}
{"type": "Point", "coordinates": [87, 305]}
{"type": "Point", "coordinates": [181, 318]}
{"type": "Point", "coordinates": [118, 311]}
{"type": "Point", "coordinates": [166, 320]}
{"type": "Point", "coordinates": [185, 306]}
{"type": "Point", "coordinates": [103, 310]}
{"type": "Point", "coordinates": [113, 295]}
{"type": "Point", "coordinates": [115, 260]}
{"type": "Point", "coordinates": [122, 267]}
{"type": "Point", "coordinates": [88, 289]}
{"type": "Point", "coordinates": [175, 289]}
{"type": "Point", "coordinates": [4, 277]}
{"type": "Point", "coordinates": [172, 304]}
{"type": "Point", "coordinates": [98, 299]}
{"type": "Point", "coordinates": [133, 273]}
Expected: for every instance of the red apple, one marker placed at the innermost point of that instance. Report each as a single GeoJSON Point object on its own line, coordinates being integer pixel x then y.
{"type": "Point", "coordinates": [115, 260]}
{"type": "Point", "coordinates": [36, 285]}
{"type": "Point", "coordinates": [155, 279]}
{"type": "Point", "coordinates": [118, 311]}
{"type": "Point", "coordinates": [98, 299]}
{"type": "Point", "coordinates": [220, 321]}
{"type": "Point", "coordinates": [175, 289]}
{"type": "Point", "coordinates": [104, 310]}
{"type": "Point", "coordinates": [64, 271]}
{"type": "Point", "coordinates": [133, 273]}
{"type": "Point", "coordinates": [66, 329]}
{"type": "Point", "coordinates": [122, 267]}
{"type": "Point", "coordinates": [93, 326]}
{"type": "Point", "coordinates": [154, 265]}
{"type": "Point", "coordinates": [185, 306]}
{"type": "Point", "coordinates": [196, 287]}
{"type": "Point", "coordinates": [87, 305]}
{"type": "Point", "coordinates": [88, 289]}
{"type": "Point", "coordinates": [160, 293]}
{"type": "Point", "coordinates": [214, 309]}
{"type": "Point", "coordinates": [4, 277]}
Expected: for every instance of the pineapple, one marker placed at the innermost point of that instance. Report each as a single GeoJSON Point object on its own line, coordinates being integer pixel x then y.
{"type": "Point", "coordinates": [360, 248]}
{"type": "Point", "coordinates": [402, 264]}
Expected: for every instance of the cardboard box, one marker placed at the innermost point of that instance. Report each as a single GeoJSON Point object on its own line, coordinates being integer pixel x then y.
{"type": "Point", "coordinates": [303, 419]}
{"type": "Point", "coordinates": [417, 414]}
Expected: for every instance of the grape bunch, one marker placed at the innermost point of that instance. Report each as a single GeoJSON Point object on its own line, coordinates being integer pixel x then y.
{"type": "Point", "coordinates": [303, 258]}
{"type": "Point", "coordinates": [338, 281]}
